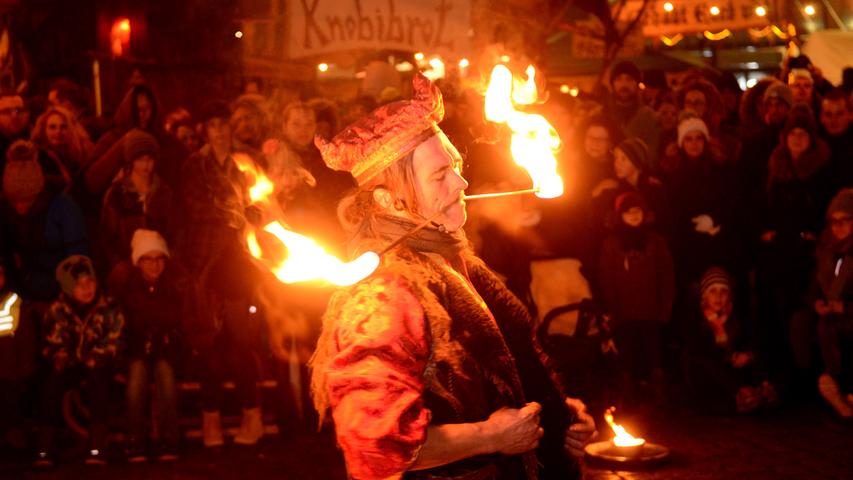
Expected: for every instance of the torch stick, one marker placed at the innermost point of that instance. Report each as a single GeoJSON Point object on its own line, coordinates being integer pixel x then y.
{"type": "Point", "coordinates": [429, 220]}
{"type": "Point", "coordinates": [501, 194]}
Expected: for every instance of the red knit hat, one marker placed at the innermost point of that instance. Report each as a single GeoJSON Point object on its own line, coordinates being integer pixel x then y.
{"type": "Point", "coordinates": [385, 135]}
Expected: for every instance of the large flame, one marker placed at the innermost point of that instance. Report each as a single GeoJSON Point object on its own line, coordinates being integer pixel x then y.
{"type": "Point", "coordinates": [305, 260]}
{"type": "Point", "coordinates": [534, 140]}
{"type": "Point", "coordinates": [622, 438]}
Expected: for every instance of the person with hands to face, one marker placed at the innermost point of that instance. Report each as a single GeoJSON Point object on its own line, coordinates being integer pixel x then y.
{"type": "Point", "coordinates": [831, 294]}
{"type": "Point", "coordinates": [429, 366]}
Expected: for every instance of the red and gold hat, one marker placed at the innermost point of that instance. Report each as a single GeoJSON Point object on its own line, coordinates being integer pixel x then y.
{"type": "Point", "coordinates": [385, 135]}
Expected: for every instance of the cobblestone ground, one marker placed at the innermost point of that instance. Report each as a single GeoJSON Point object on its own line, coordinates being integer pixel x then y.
{"type": "Point", "coordinates": [800, 443]}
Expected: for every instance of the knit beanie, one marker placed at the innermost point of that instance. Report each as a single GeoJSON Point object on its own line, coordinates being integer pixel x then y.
{"type": "Point", "coordinates": [23, 178]}
{"type": "Point", "coordinates": [779, 90]}
{"type": "Point", "coordinates": [627, 67]}
{"type": "Point", "coordinates": [714, 276]}
{"type": "Point", "coordinates": [629, 200]}
{"type": "Point", "coordinates": [692, 124]}
{"type": "Point", "coordinates": [73, 269]}
{"type": "Point", "coordinates": [842, 202]}
{"type": "Point", "coordinates": [636, 151]}
{"type": "Point", "coordinates": [138, 143]}
{"type": "Point", "coordinates": [145, 242]}
{"type": "Point", "coordinates": [796, 73]}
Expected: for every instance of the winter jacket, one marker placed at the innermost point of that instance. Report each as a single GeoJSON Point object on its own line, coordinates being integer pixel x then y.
{"type": "Point", "coordinates": [125, 210]}
{"type": "Point", "coordinates": [49, 232]}
{"type": "Point", "coordinates": [213, 200]}
{"type": "Point", "coordinates": [640, 121]}
{"type": "Point", "coordinates": [833, 279]}
{"type": "Point", "coordinates": [155, 314]}
{"type": "Point", "coordinates": [84, 335]}
{"type": "Point", "coordinates": [637, 285]}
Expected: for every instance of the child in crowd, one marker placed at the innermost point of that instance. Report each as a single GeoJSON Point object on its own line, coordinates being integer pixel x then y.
{"type": "Point", "coordinates": [723, 369]}
{"type": "Point", "coordinates": [832, 294]}
{"type": "Point", "coordinates": [637, 285]}
{"type": "Point", "coordinates": [153, 291]}
{"type": "Point", "coordinates": [83, 328]}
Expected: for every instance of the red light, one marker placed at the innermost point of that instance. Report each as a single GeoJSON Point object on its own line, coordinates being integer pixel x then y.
{"type": "Point", "coordinates": [120, 36]}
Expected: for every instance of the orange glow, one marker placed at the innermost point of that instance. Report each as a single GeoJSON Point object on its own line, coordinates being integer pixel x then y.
{"type": "Point", "coordinates": [120, 36]}
{"type": "Point", "coordinates": [534, 140]}
{"type": "Point", "coordinates": [305, 260]}
{"type": "Point", "coordinates": [622, 438]}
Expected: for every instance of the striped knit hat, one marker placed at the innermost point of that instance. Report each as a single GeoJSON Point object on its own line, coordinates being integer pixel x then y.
{"type": "Point", "coordinates": [714, 276]}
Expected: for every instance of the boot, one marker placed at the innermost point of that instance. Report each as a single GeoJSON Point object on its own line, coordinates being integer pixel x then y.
{"type": "Point", "coordinates": [211, 428]}
{"type": "Point", "coordinates": [828, 388]}
{"type": "Point", "coordinates": [251, 428]}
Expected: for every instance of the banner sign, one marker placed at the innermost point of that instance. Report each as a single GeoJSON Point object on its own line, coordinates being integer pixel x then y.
{"type": "Point", "coordinates": [430, 26]}
{"type": "Point", "coordinates": [694, 16]}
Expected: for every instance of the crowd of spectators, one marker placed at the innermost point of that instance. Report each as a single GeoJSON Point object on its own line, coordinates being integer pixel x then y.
{"type": "Point", "coordinates": [714, 228]}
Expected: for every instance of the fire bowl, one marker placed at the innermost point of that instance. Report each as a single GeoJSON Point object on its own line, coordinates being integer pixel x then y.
{"type": "Point", "coordinates": [645, 454]}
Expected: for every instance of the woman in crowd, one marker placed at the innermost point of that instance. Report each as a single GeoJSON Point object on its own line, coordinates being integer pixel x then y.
{"type": "Point", "coordinates": [795, 197]}
{"type": "Point", "coordinates": [155, 295]}
{"type": "Point", "coordinates": [139, 199]}
{"type": "Point", "coordinates": [61, 138]}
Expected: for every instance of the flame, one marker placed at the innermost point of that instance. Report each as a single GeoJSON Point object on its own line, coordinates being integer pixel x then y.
{"type": "Point", "coordinates": [534, 140]}
{"type": "Point", "coordinates": [622, 438]}
{"type": "Point", "coordinates": [305, 260]}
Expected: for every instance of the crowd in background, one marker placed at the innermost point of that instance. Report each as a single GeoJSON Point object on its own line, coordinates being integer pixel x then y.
{"type": "Point", "coordinates": [713, 229]}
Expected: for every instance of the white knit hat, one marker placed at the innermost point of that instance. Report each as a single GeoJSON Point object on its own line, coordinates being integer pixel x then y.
{"type": "Point", "coordinates": [145, 242]}
{"type": "Point", "coordinates": [692, 124]}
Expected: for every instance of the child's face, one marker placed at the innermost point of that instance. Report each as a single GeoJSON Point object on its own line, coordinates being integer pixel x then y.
{"type": "Point", "coordinates": [841, 225]}
{"type": "Point", "coordinates": [152, 265]}
{"type": "Point", "coordinates": [85, 290]}
{"type": "Point", "coordinates": [717, 297]}
{"type": "Point", "coordinates": [633, 217]}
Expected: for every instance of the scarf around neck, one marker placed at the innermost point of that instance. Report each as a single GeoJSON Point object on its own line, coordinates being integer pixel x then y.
{"type": "Point", "coordinates": [427, 240]}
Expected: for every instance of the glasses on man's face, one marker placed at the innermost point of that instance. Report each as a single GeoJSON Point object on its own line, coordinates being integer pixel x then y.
{"type": "Point", "coordinates": [840, 221]}
{"type": "Point", "coordinates": [10, 111]}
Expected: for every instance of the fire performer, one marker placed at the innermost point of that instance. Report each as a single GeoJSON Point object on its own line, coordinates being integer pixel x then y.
{"type": "Point", "coordinates": [429, 365]}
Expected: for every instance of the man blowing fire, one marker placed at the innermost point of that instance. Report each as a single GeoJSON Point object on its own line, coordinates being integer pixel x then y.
{"type": "Point", "coordinates": [429, 366]}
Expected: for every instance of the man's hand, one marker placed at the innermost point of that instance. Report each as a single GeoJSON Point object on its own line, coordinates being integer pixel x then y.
{"type": "Point", "coordinates": [581, 432]}
{"type": "Point", "coordinates": [515, 430]}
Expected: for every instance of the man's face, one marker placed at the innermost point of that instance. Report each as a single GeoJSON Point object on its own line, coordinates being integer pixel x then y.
{"type": "Point", "coordinates": [775, 111]}
{"type": "Point", "coordinates": [218, 133]}
{"type": "Point", "coordinates": [56, 130]}
{"type": "Point", "coordinates": [835, 116]}
{"type": "Point", "coordinates": [596, 142]}
{"type": "Point", "coordinates": [300, 127]}
{"type": "Point", "coordinates": [668, 115]}
{"type": "Point", "coordinates": [625, 87]}
{"type": "Point", "coordinates": [438, 182]}
{"type": "Point", "coordinates": [246, 125]}
{"type": "Point", "coordinates": [12, 120]}
{"type": "Point", "coordinates": [144, 110]}
{"type": "Point", "coordinates": [695, 101]}
{"type": "Point", "coordinates": [802, 89]}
